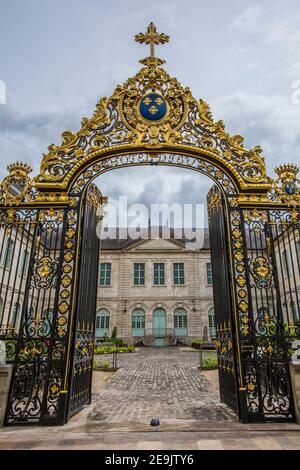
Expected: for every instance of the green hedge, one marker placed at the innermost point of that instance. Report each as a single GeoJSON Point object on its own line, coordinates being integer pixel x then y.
{"type": "Point", "coordinates": [211, 363]}
{"type": "Point", "coordinates": [115, 341]}
{"type": "Point", "coordinates": [207, 344]}
{"type": "Point", "coordinates": [112, 349]}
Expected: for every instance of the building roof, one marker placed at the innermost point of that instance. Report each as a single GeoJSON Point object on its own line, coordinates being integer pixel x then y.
{"type": "Point", "coordinates": [117, 238]}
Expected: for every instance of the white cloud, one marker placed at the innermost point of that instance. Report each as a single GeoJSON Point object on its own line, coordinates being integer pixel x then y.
{"type": "Point", "coordinates": [26, 135]}
{"type": "Point", "coordinates": [269, 121]}
{"type": "Point", "coordinates": [248, 21]}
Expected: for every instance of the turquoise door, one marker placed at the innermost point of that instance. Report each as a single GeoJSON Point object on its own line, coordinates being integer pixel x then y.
{"type": "Point", "coordinates": [212, 323]}
{"type": "Point", "coordinates": [159, 326]}
{"type": "Point", "coordinates": [102, 323]}
{"type": "Point", "coordinates": [138, 323]}
{"type": "Point", "coordinates": [180, 322]}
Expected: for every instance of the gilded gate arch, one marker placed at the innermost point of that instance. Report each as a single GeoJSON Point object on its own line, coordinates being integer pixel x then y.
{"type": "Point", "coordinates": [150, 120]}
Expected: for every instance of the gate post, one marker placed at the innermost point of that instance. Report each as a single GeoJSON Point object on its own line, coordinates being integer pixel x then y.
{"type": "Point", "coordinates": [295, 379]}
{"type": "Point", "coordinates": [5, 377]}
{"type": "Point", "coordinates": [243, 405]}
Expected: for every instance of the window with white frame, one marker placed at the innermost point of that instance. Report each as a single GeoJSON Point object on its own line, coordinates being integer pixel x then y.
{"type": "Point", "coordinates": [212, 322]}
{"type": "Point", "coordinates": [105, 274]}
{"type": "Point", "coordinates": [24, 263]}
{"type": "Point", "coordinates": [178, 273]}
{"type": "Point", "coordinates": [8, 252]}
{"type": "Point", "coordinates": [15, 314]}
{"type": "Point", "coordinates": [139, 274]}
{"type": "Point", "coordinates": [209, 276]}
{"type": "Point", "coordinates": [159, 273]}
{"type": "Point", "coordinates": [286, 263]}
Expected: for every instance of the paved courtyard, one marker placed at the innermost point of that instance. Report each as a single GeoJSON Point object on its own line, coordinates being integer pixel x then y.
{"type": "Point", "coordinates": [162, 383]}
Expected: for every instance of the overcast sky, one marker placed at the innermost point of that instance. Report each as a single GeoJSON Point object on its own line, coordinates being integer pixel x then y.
{"type": "Point", "coordinates": [57, 57]}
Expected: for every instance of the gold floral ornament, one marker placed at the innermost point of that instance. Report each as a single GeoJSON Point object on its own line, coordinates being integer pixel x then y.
{"type": "Point", "coordinates": [44, 272]}
{"type": "Point", "coordinates": [251, 386]}
{"type": "Point", "coordinates": [174, 119]}
{"type": "Point", "coordinates": [17, 184]}
{"type": "Point", "coordinates": [262, 272]}
{"type": "Point", "coordinates": [95, 197]}
{"type": "Point", "coordinates": [214, 200]}
{"type": "Point", "coordinates": [287, 185]}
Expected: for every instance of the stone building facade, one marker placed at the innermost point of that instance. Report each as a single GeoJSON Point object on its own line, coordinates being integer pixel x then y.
{"type": "Point", "coordinates": [155, 288]}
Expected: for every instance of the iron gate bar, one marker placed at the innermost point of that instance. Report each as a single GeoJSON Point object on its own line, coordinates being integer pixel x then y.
{"type": "Point", "coordinates": [261, 250]}
{"type": "Point", "coordinates": [59, 419]}
{"type": "Point", "coordinates": [84, 320]}
{"type": "Point", "coordinates": [225, 334]}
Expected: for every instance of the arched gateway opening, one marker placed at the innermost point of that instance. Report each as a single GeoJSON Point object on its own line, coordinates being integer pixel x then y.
{"type": "Point", "coordinates": [51, 219]}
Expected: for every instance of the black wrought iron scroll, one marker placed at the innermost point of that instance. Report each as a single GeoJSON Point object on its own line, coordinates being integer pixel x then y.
{"type": "Point", "coordinates": [272, 254]}
{"type": "Point", "coordinates": [225, 342]}
{"type": "Point", "coordinates": [30, 254]}
{"type": "Point", "coordinates": [84, 321]}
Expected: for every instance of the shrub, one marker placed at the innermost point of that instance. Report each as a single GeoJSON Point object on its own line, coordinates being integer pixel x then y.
{"type": "Point", "coordinates": [117, 341]}
{"type": "Point", "coordinates": [206, 345]}
{"type": "Point", "coordinates": [114, 333]}
{"type": "Point", "coordinates": [210, 363]}
{"type": "Point", "coordinates": [104, 365]}
{"type": "Point", "coordinates": [112, 349]}
{"type": "Point", "coordinates": [196, 343]}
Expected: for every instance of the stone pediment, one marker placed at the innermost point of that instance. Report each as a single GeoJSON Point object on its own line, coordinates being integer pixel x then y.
{"type": "Point", "coordinates": [157, 244]}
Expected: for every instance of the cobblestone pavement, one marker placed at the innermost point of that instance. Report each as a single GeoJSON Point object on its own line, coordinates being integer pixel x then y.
{"type": "Point", "coordinates": [159, 382]}
{"type": "Point", "coordinates": [155, 382]}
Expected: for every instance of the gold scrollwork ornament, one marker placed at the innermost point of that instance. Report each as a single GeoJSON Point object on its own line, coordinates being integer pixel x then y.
{"type": "Point", "coordinates": [287, 185]}
{"type": "Point", "coordinates": [117, 121]}
{"type": "Point", "coordinates": [17, 184]}
{"type": "Point", "coordinates": [262, 272]}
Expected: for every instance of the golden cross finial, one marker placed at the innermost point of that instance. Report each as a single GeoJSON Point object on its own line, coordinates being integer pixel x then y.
{"type": "Point", "coordinates": [152, 37]}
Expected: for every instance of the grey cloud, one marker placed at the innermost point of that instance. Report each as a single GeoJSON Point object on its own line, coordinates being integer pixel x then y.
{"type": "Point", "coordinates": [58, 58]}
{"type": "Point", "coordinates": [155, 185]}
{"type": "Point", "coordinates": [26, 136]}
{"type": "Point", "coordinates": [269, 121]}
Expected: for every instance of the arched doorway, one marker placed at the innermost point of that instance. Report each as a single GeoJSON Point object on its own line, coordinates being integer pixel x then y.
{"type": "Point", "coordinates": [138, 323]}
{"type": "Point", "coordinates": [150, 120]}
{"type": "Point", "coordinates": [102, 323]}
{"type": "Point", "coordinates": [212, 323]}
{"type": "Point", "coordinates": [159, 326]}
{"type": "Point", "coordinates": [180, 322]}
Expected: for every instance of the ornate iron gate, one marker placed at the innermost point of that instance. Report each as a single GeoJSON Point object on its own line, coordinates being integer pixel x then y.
{"type": "Point", "coordinates": [37, 280]}
{"type": "Point", "coordinates": [225, 334]}
{"type": "Point", "coordinates": [254, 354]}
{"type": "Point", "coordinates": [31, 257]}
{"type": "Point", "coordinates": [84, 321]}
{"type": "Point", "coordinates": [46, 248]}
{"type": "Point", "coordinates": [272, 254]}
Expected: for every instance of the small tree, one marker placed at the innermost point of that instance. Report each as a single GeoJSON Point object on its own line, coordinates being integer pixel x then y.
{"type": "Point", "coordinates": [114, 333]}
